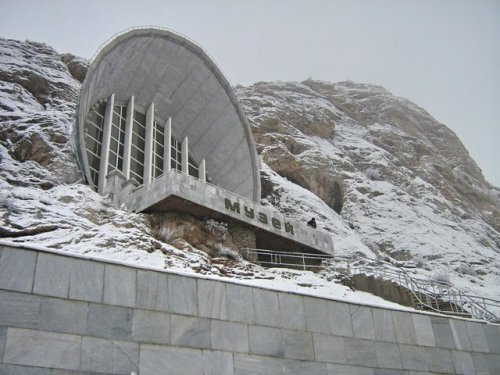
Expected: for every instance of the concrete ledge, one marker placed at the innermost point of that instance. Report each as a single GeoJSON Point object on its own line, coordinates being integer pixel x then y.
{"type": "Point", "coordinates": [266, 341]}
{"type": "Point", "coordinates": [209, 200]}
{"type": "Point", "coordinates": [329, 348]}
{"type": "Point", "coordinates": [384, 326]}
{"type": "Point", "coordinates": [298, 345]}
{"type": "Point", "coordinates": [361, 352]}
{"type": "Point", "coordinates": [266, 308]}
{"type": "Point", "coordinates": [316, 315]}
{"type": "Point", "coordinates": [212, 299]}
{"type": "Point", "coordinates": [57, 315]}
{"type": "Point", "coordinates": [239, 303]}
{"type": "Point", "coordinates": [388, 356]}
{"type": "Point", "coordinates": [405, 331]}
{"type": "Point", "coordinates": [182, 295]}
{"type": "Point", "coordinates": [111, 322]}
{"type": "Point", "coordinates": [151, 327]}
{"type": "Point", "coordinates": [340, 319]}
{"type": "Point", "coordinates": [423, 330]}
{"type": "Point", "coordinates": [229, 336]}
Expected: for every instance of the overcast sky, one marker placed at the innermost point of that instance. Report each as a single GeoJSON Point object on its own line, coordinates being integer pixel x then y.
{"type": "Point", "coordinates": [444, 55]}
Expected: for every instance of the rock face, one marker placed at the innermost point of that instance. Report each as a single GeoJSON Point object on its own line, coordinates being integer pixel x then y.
{"type": "Point", "coordinates": [402, 182]}
{"type": "Point", "coordinates": [213, 237]}
{"type": "Point", "coordinates": [376, 171]}
{"type": "Point", "coordinates": [43, 199]}
{"type": "Point", "coordinates": [37, 98]}
{"type": "Point", "coordinates": [289, 118]}
{"type": "Point", "coordinates": [39, 177]}
{"type": "Point", "coordinates": [76, 66]}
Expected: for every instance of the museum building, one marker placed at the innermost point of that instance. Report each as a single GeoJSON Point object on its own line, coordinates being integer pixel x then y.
{"type": "Point", "coordinates": [159, 128]}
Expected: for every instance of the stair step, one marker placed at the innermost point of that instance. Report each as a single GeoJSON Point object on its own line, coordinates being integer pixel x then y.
{"type": "Point", "coordinates": [417, 299]}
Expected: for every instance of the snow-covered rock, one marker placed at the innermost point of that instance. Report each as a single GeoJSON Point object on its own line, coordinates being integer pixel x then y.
{"type": "Point", "coordinates": [377, 172]}
{"type": "Point", "coordinates": [389, 176]}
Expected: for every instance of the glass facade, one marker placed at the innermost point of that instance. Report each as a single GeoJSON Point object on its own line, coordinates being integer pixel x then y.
{"type": "Point", "coordinates": [138, 145]}
{"type": "Point", "coordinates": [176, 155]}
{"type": "Point", "coordinates": [94, 136]}
{"type": "Point", "coordinates": [93, 139]}
{"type": "Point", "coordinates": [117, 138]}
{"type": "Point", "coordinates": [158, 142]}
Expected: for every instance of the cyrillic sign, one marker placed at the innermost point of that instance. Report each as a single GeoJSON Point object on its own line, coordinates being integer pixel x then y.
{"type": "Point", "coordinates": [259, 216]}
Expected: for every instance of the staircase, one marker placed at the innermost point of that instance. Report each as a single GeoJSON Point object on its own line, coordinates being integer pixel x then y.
{"type": "Point", "coordinates": [385, 280]}
{"type": "Point", "coordinates": [426, 303]}
{"type": "Point", "coordinates": [394, 284]}
{"type": "Point", "coordinates": [394, 292]}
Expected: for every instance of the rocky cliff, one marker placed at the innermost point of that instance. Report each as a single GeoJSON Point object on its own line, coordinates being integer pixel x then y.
{"type": "Point", "coordinates": [378, 172]}
{"type": "Point", "coordinates": [402, 182]}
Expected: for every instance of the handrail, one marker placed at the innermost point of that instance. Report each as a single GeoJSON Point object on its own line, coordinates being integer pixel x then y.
{"type": "Point", "coordinates": [279, 257]}
{"type": "Point", "coordinates": [289, 253]}
{"type": "Point", "coordinates": [436, 296]}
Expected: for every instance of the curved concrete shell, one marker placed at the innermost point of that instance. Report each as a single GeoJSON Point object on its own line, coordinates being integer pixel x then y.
{"type": "Point", "coordinates": [161, 67]}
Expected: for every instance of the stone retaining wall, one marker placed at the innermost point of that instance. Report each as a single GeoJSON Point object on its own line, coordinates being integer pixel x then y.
{"type": "Point", "coordinates": [62, 314]}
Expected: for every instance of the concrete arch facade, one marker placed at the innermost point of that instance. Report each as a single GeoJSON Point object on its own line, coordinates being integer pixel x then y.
{"type": "Point", "coordinates": [157, 66]}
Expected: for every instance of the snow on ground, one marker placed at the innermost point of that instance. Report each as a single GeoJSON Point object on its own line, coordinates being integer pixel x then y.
{"type": "Point", "coordinates": [299, 203]}
{"type": "Point", "coordinates": [279, 279]}
{"type": "Point", "coordinates": [75, 219]}
{"type": "Point", "coordinates": [44, 203]}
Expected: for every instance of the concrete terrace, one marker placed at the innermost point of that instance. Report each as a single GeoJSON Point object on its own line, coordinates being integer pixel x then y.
{"type": "Point", "coordinates": [176, 191]}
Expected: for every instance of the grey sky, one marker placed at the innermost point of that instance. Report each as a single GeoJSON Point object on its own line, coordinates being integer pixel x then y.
{"type": "Point", "coordinates": [442, 54]}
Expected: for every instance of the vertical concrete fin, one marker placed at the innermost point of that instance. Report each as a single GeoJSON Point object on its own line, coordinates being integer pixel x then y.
{"type": "Point", "coordinates": [202, 173]}
{"type": "Point", "coordinates": [148, 148]}
{"type": "Point", "coordinates": [127, 145]}
{"type": "Point", "coordinates": [106, 138]}
{"type": "Point", "coordinates": [185, 156]}
{"type": "Point", "coordinates": [167, 146]}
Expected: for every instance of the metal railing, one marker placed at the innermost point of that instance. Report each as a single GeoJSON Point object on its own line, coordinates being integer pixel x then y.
{"type": "Point", "coordinates": [304, 261]}
{"type": "Point", "coordinates": [436, 296]}
{"type": "Point", "coordinates": [428, 295]}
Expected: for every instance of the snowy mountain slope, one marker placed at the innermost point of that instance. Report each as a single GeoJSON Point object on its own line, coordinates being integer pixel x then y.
{"type": "Point", "coordinates": [408, 188]}
{"type": "Point", "coordinates": [324, 154]}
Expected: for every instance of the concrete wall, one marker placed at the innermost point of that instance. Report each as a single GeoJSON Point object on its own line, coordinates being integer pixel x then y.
{"type": "Point", "coordinates": [66, 315]}
{"type": "Point", "coordinates": [212, 197]}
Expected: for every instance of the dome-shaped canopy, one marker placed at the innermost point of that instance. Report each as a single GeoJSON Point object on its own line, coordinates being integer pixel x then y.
{"type": "Point", "coordinates": [161, 67]}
